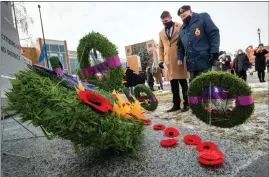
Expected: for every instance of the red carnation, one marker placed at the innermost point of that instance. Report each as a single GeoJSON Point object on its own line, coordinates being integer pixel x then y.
{"type": "Point", "coordinates": [214, 111]}
{"type": "Point", "coordinates": [228, 111]}
{"type": "Point", "coordinates": [158, 127]}
{"type": "Point", "coordinates": [192, 139]}
{"type": "Point", "coordinates": [171, 132]}
{"type": "Point", "coordinates": [211, 154]}
{"type": "Point", "coordinates": [147, 122]}
{"type": "Point", "coordinates": [206, 146]}
{"type": "Point", "coordinates": [168, 142]}
{"type": "Point", "coordinates": [210, 162]}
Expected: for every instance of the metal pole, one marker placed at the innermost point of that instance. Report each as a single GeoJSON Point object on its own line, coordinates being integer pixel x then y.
{"type": "Point", "coordinates": [43, 36]}
{"type": "Point", "coordinates": [259, 38]}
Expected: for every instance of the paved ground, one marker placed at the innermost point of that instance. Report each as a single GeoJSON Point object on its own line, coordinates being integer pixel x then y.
{"type": "Point", "coordinates": [56, 158]}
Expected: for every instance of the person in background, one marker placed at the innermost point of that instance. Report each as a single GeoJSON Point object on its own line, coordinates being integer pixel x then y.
{"type": "Point", "coordinates": [226, 63]}
{"type": "Point", "coordinates": [241, 64]}
{"type": "Point", "coordinates": [267, 64]}
{"type": "Point", "coordinates": [157, 72]}
{"type": "Point", "coordinates": [168, 57]}
{"type": "Point", "coordinates": [260, 62]}
{"type": "Point", "coordinates": [143, 77]}
{"type": "Point", "coordinates": [150, 79]}
{"type": "Point", "coordinates": [130, 79]}
{"type": "Point", "coordinates": [199, 41]}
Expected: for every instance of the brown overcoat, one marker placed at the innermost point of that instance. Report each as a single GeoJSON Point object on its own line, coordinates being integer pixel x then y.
{"type": "Point", "coordinates": [168, 55]}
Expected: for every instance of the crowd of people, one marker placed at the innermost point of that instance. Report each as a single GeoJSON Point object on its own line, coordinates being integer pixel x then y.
{"type": "Point", "coordinates": [192, 48]}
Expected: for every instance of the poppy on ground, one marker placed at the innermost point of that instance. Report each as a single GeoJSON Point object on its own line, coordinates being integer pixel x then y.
{"type": "Point", "coordinates": [192, 139]}
{"type": "Point", "coordinates": [171, 132]}
{"type": "Point", "coordinates": [169, 142]}
{"type": "Point", "coordinates": [206, 146]}
{"type": "Point", "coordinates": [211, 154]}
{"type": "Point", "coordinates": [210, 162]}
{"type": "Point", "coordinates": [158, 127]}
{"type": "Point", "coordinates": [147, 122]}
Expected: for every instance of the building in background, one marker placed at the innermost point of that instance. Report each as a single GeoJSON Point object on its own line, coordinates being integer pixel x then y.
{"type": "Point", "coordinates": [133, 50]}
{"type": "Point", "coordinates": [134, 63]}
{"type": "Point", "coordinates": [73, 61]}
{"type": "Point", "coordinates": [55, 48]}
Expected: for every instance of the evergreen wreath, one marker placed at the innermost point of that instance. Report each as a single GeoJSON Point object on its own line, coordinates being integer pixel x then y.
{"type": "Point", "coordinates": [112, 80]}
{"type": "Point", "coordinates": [237, 88]}
{"type": "Point", "coordinates": [42, 98]}
{"type": "Point", "coordinates": [152, 102]}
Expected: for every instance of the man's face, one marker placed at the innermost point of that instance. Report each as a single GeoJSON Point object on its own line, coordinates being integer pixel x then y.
{"type": "Point", "coordinates": [185, 14]}
{"type": "Point", "coordinates": [167, 19]}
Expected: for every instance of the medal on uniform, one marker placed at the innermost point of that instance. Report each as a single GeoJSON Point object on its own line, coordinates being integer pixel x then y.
{"type": "Point", "coordinates": [197, 32]}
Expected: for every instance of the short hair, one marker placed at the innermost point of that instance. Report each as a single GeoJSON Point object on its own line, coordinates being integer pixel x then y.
{"type": "Point", "coordinates": [165, 14]}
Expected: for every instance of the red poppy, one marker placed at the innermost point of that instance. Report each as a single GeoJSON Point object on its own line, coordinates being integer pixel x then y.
{"type": "Point", "coordinates": [211, 154]}
{"type": "Point", "coordinates": [214, 111]}
{"type": "Point", "coordinates": [158, 127]}
{"type": "Point", "coordinates": [228, 111]}
{"type": "Point", "coordinates": [171, 132]}
{"type": "Point", "coordinates": [176, 25]}
{"type": "Point", "coordinates": [210, 162]}
{"type": "Point", "coordinates": [206, 146]}
{"type": "Point", "coordinates": [147, 122]}
{"type": "Point", "coordinates": [192, 139]}
{"type": "Point", "coordinates": [169, 142]}
{"type": "Point", "coordinates": [95, 100]}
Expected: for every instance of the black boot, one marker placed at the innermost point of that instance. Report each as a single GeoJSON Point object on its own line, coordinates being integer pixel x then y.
{"type": "Point", "coordinates": [174, 108]}
{"type": "Point", "coordinates": [185, 108]}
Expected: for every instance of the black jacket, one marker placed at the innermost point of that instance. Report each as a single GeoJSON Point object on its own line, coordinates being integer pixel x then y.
{"type": "Point", "coordinates": [150, 78]}
{"type": "Point", "coordinates": [260, 60]}
{"type": "Point", "coordinates": [241, 62]}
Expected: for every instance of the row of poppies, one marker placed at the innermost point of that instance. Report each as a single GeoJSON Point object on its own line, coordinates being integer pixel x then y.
{"type": "Point", "coordinates": [208, 153]}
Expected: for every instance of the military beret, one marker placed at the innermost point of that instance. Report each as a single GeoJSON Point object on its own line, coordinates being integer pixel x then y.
{"type": "Point", "coordinates": [183, 9]}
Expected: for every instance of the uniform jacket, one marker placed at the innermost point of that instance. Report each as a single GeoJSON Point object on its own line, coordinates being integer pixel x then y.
{"type": "Point", "coordinates": [241, 62]}
{"type": "Point", "coordinates": [260, 60]}
{"type": "Point", "coordinates": [168, 54]}
{"type": "Point", "coordinates": [197, 41]}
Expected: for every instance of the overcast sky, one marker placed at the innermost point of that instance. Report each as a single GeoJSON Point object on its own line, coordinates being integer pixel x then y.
{"type": "Point", "coordinates": [126, 23]}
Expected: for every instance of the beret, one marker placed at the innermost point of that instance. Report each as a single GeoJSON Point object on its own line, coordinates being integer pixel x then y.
{"type": "Point", "coordinates": [183, 9]}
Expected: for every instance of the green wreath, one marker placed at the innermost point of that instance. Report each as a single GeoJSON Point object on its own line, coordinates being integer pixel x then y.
{"type": "Point", "coordinates": [236, 87]}
{"type": "Point", "coordinates": [152, 100]}
{"type": "Point", "coordinates": [128, 94]}
{"type": "Point", "coordinates": [112, 79]}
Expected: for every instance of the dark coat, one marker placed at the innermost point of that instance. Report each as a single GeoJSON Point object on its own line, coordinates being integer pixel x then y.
{"type": "Point", "coordinates": [129, 78]}
{"type": "Point", "coordinates": [197, 41]}
{"type": "Point", "coordinates": [150, 78]}
{"type": "Point", "coordinates": [241, 62]}
{"type": "Point", "coordinates": [226, 65]}
{"type": "Point", "coordinates": [260, 60]}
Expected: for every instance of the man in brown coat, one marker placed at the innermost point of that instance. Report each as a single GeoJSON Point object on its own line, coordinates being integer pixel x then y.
{"type": "Point", "coordinates": [168, 55]}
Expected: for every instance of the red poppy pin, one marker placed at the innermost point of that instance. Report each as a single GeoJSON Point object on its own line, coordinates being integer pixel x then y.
{"type": "Point", "coordinates": [210, 162]}
{"type": "Point", "coordinates": [192, 139]}
{"type": "Point", "coordinates": [206, 146]}
{"type": "Point", "coordinates": [214, 111]}
{"type": "Point", "coordinates": [168, 142]}
{"type": "Point", "coordinates": [171, 132]}
{"type": "Point", "coordinates": [147, 122]}
{"type": "Point", "coordinates": [211, 154]}
{"type": "Point", "coordinates": [176, 25]}
{"type": "Point", "coordinates": [158, 127]}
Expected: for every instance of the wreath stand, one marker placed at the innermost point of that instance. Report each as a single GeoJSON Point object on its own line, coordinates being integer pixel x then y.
{"type": "Point", "coordinates": [2, 128]}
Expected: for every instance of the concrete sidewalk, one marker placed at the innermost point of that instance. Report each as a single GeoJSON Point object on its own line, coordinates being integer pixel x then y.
{"type": "Point", "coordinates": [56, 158]}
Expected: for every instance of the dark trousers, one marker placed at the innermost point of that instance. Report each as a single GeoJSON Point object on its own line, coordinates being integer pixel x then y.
{"type": "Point", "coordinates": [151, 85]}
{"type": "Point", "coordinates": [194, 74]}
{"type": "Point", "coordinates": [261, 75]}
{"type": "Point", "coordinates": [176, 93]}
{"type": "Point", "coordinates": [243, 75]}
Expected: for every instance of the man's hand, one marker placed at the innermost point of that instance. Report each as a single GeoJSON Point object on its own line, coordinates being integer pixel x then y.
{"type": "Point", "coordinates": [161, 65]}
{"type": "Point", "coordinates": [214, 57]}
{"type": "Point", "coordinates": [179, 62]}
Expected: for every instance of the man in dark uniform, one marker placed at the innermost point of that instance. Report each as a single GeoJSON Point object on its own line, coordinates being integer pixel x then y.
{"type": "Point", "coordinates": [198, 41]}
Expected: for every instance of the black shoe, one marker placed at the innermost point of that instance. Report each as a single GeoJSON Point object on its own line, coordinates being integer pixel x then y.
{"type": "Point", "coordinates": [173, 109]}
{"type": "Point", "coordinates": [185, 109]}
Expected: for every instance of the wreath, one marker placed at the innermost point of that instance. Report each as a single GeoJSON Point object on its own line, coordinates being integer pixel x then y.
{"type": "Point", "coordinates": [110, 69]}
{"type": "Point", "coordinates": [151, 102]}
{"type": "Point", "coordinates": [231, 87]}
